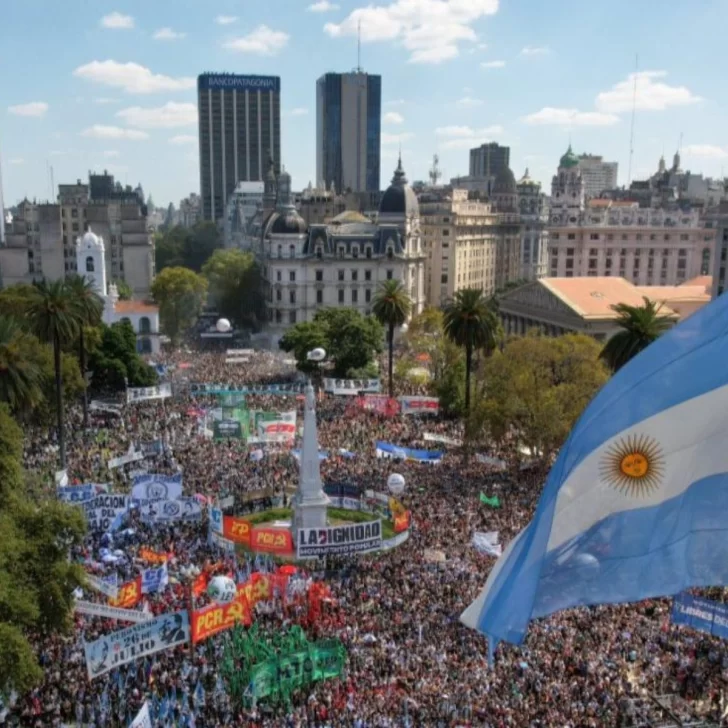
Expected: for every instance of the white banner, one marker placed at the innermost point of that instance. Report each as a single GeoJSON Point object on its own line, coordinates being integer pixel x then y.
{"type": "Point", "coordinates": [101, 512]}
{"type": "Point", "coordinates": [142, 720]}
{"type": "Point", "coordinates": [154, 579]}
{"type": "Point", "coordinates": [143, 394]}
{"type": "Point", "coordinates": [239, 352]}
{"type": "Point", "coordinates": [351, 387]}
{"type": "Point", "coordinates": [104, 610]}
{"type": "Point", "coordinates": [430, 437]}
{"type": "Point", "coordinates": [223, 543]}
{"type": "Point", "coordinates": [129, 457]}
{"type": "Point", "coordinates": [227, 502]}
{"type": "Point", "coordinates": [127, 645]}
{"type": "Point", "coordinates": [107, 585]}
{"type": "Point", "coordinates": [237, 360]}
{"type": "Point", "coordinates": [165, 511]}
{"type": "Point", "coordinates": [419, 405]}
{"type": "Point", "coordinates": [157, 487]}
{"type": "Point", "coordinates": [487, 543]}
{"type": "Point", "coordinates": [353, 538]}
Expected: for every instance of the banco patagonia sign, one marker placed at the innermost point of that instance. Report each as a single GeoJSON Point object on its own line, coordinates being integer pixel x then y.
{"type": "Point", "coordinates": [239, 83]}
{"type": "Point", "coordinates": [353, 538]}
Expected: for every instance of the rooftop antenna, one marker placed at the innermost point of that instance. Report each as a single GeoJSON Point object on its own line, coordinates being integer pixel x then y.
{"type": "Point", "coordinates": [631, 131]}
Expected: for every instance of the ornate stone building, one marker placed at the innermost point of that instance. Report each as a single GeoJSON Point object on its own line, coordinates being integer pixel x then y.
{"type": "Point", "coordinates": [534, 212]}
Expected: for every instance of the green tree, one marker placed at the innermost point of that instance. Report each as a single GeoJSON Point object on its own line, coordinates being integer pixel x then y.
{"type": "Point", "coordinates": [391, 307]}
{"type": "Point", "coordinates": [123, 289]}
{"type": "Point", "coordinates": [89, 309]}
{"type": "Point", "coordinates": [14, 300]}
{"type": "Point", "coordinates": [302, 338]}
{"type": "Point", "coordinates": [54, 318]}
{"type": "Point", "coordinates": [36, 579]}
{"type": "Point", "coordinates": [235, 286]}
{"type": "Point", "coordinates": [180, 294]}
{"type": "Point", "coordinates": [168, 248]}
{"type": "Point", "coordinates": [472, 323]}
{"type": "Point", "coordinates": [533, 391]}
{"type": "Point", "coordinates": [640, 326]}
{"type": "Point", "coordinates": [20, 373]}
{"type": "Point", "coordinates": [187, 248]}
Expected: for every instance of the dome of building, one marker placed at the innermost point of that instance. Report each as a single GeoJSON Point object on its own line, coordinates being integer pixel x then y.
{"type": "Point", "coordinates": [569, 159]}
{"type": "Point", "coordinates": [526, 179]}
{"type": "Point", "coordinates": [505, 182]}
{"type": "Point", "coordinates": [286, 222]}
{"type": "Point", "coordinates": [399, 198]}
{"type": "Point", "coordinates": [91, 240]}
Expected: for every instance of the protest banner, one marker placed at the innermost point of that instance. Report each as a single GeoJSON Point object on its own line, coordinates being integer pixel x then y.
{"type": "Point", "coordinates": [402, 521]}
{"type": "Point", "coordinates": [150, 449]}
{"type": "Point", "coordinates": [107, 585]}
{"type": "Point", "coordinates": [431, 437]}
{"type": "Point", "coordinates": [143, 719]}
{"type": "Point", "coordinates": [127, 645]}
{"type": "Point", "coordinates": [350, 387]}
{"type": "Point", "coordinates": [131, 456]}
{"type": "Point", "coordinates": [419, 405]}
{"type": "Point", "coordinates": [222, 389]}
{"type": "Point", "coordinates": [227, 502]}
{"type": "Point", "coordinates": [704, 615]}
{"type": "Point", "coordinates": [486, 543]}
{"type": "Point", "coordinates": [227, 430]}
{"type": "Point", "coordinates": [130, 593]}
{"type": "Point", "coordinates": [259, 588]}
{"type": "Point", "coordinates": [157, 487]}
{"type": "Point", "coordinates": [342, 490]}
{"type": "Point", "coordinates": [215, 515]}
{"type": "Point", "coordinates": [237, 359]}
{"type": "Point", "coordinates": [218, 617]}
{"type": "Point", "coordinates": [104, 610]}
{"type": "Point", "coordinates": [271, 540]}
{"type": "Point", "coordinates": [380, 403]}
{"type": "Point", "coordinates": [80, 493]}
{"type": "Point", "coordinates": [143, 394]}
{"type": "Point", "coordinates": [236, 529]}
{"type": "Point", "coordinates": [155, 579]}
{"type": "Point", "coordinates": [166, 511]}
{"type": "Point", "coordinates": [222, 543]}
{"type": "Point", "coordinates": [151, 556]}
{"type": "Point", "coordinates": [102, 511]}
{"type": "Point", "coordinates": [352, 538]}
{"type": "Point", "coordinates": [387, 450]}
{"type": "Point", "coordinates": [239, 352]}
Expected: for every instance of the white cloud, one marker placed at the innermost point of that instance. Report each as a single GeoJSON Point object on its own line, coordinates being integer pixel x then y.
{"type": "Point", "coordinates": [111, 153]}
{"type": "Point", "coordinates": [168, 116]}
{"type": "Point", "coordinates": [395, 138]}
{"type": "Point", "coordinates": [168, 34]}
{"type": "Point", "coordinates": [34, 108]}
{"type": "Point", "coordinates": [651, 95]}
{"type": "Point", "coordinates": [431, 30]}
{"type": "Point", "coordinates": [323, 6]}
{"type": "Point", "coordinates": [131, 77]}
{"type": "Point", "coordinates": [530, 51]}
{"type": "Point", "coordinates": [493, 64]}
{"type": "Point", "coordinates": [465, 137]}
{"type": "Point", "coordinates": [16, 161]}
{"type": "Point", "coordinates": [263, 41]}
{"type": "Point", "coordinates": [117, 21]}
{"type": "Point", "coordinates": [467, 102]}
{"type": "Point", "coordinates": [392, 117]}
{"type": "Point", "coordinates": [182, 139]}
{"type": "Point", "coordinates": [298, 111]}
{"type": "Point", "coordinates": [706, 151]}
{"type": "Point", "coordinates": [550, 116]}
{"type": "Point", "coordinates": [226, 19]}
{"type": "Point", "coordinates": [99, 131]}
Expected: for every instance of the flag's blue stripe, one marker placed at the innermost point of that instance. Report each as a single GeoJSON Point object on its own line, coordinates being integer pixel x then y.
{"type": "Point", "coordinates": [685, 362]}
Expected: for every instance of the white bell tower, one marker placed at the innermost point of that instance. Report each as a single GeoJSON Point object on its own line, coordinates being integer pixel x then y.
{"type": "Point", "coordinates": [91, 261]}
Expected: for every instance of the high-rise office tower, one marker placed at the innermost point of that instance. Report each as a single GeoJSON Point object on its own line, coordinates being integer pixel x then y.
{"type": "Point", "coordinates": [240, 129]}
{"type": "Point", "coordinates": [488, 160]}
{"type": "Point", "coordinates": [348, 131]}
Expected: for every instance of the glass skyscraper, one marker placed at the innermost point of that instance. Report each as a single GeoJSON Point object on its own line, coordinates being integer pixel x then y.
{"type": "Point", "coordinates": [240, 128]}
{"type": "Point", "coordinates": [348, 131]}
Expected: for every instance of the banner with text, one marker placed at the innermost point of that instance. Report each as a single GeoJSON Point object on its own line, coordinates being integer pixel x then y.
{"type": "Point", "coordinates": [166, 511]}
{"type": "Point", "coordinates": [142, 394]}
{"type": "Point", "coordinates": [387, 450]}
{"type": "Point", "coordinates": [130, 594]}
{"type": "Point", "coordinates": [271, 540]}
{"type": "Point", "coordinates": [221, 389]}
{"type": "Point", "coordinates": [154, 580]}
{"type": "Point", "coordinates": [102, 511]}
{"type": "Point", "coordinates": [107, 585]}
{"type": "Point", "coordinates": [236, 529]}
{"type": "Point", "coordinates": [143, 719]}
{"type": "Point", "coordinates": [156, 487]}
{"type": "Point", "coordinates": [218, 617]}
{"type": "Point", "coordinates": [419, 405]}
{"type": "Point", "coordinates": [705, 615]}
{"type": "Point", "coordinates": [380, 403]}
{"type": "Point", "coordinates": [104, 610]}
{"type": "Point", "coordinates": [81, 493]}
{"type": "Point", "coordinates": [353, 538]}
{"type": "Point", "coordinates": [227, 430]}
{"type": "Point", "coordinates": [127, 645]}
{"type": "Point", "coordinates": [350, 387]}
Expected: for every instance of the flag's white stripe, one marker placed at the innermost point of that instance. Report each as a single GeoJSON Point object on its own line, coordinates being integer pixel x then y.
{"type": "Point", "coordinates": [692, 440]}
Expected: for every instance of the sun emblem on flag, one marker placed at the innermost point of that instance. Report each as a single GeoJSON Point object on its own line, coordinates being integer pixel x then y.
{"type": "Point", "coordinates": [634, 465]}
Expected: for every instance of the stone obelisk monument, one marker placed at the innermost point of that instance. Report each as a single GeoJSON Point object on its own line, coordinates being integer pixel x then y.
{"type": "Point", "coordinates": [310, 501]}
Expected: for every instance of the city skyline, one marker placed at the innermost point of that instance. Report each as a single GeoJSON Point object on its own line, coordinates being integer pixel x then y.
{"type": "Point", "coordinates": [119, 89]}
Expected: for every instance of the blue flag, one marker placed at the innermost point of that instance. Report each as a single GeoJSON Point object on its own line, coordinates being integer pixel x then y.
{"type": "Point", "coordinates": [198, 698]}
{"type": "Point", "coordinates": [636, 504]}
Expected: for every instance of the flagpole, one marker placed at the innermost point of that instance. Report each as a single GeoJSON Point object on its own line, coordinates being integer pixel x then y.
{"type": "Point", "coordinates": [191, 607]}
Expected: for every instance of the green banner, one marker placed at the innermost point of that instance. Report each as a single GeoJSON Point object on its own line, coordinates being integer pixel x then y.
{"type": "Point", "coordinates": [238, 413]}
{"type": "Point", "coordinates": [227, 430]}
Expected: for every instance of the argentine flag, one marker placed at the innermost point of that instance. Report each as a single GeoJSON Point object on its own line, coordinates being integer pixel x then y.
{"type": "Point", "coordinates": [636, 506]}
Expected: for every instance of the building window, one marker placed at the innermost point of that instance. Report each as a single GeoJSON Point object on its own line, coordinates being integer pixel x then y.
{"type": "Point", "coordinates": [367, 275]}
{"type": "Point", "coordinates": [368, 295]}
{"type": "Point", "coordinates": [89, 265]}
{"type": "Point", "coordinates": [319, 252]}
{"type": "Point", "coordinates": [341, 251]}
{"type": "Point", "coordinates": [572, 236]}
{"type": "Point", "coordinates": [280, 251]}
{"type": "Point", "coordinates": [292, 317]}
{"type": "Point", "coordinates": [291, 251]}
{"type": "Point", "coordinates": [667, 237]}
{"type": "Point", "coordinates": [355, 275]}
{"type": "Point", "coordinates": [341, 295]}
{"type": "Point", "coordinates": [292, 276]}
{"type": "Point", "coordinates": [355, 296]}
{"type": "Point", "coordinates": [279, 316]}
{"type": "Point", "coordinates": [443, 278]}
{"type": "Point", "coordinates": [279, 294]}
{"type": "Point", "coordinates": [278, 276]}
{"type": "Point", "coordinates": [594, 236]}
{"type": "Point", "coordinates": [368, 251]}
{"type": "Point", "coordinates": [570, 252]}
{"type": "Point", "coordinates": [319, 296]}
{"type": "Point", "coordinates": [570, 264]}
{"type": "Point", "coordinates": [445, 232]}
{"type": "Point", "coordinates": [340, 275]}
{"type": "Point", "coordinates": [74, 212]}
{"type": "Point", "coordinates": [389, 275]}
{"type": "Point", "coordinates": [145, 327]}
{"type": "Point", "coordinates": [291, 296]}
{"type": "Point", "coordinates": [354, 251]}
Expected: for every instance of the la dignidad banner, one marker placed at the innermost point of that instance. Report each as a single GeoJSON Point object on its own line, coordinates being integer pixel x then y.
{"type": "Point", "coordinates": [104, 610]}
{"type": "Point", "coordinates": [353, 538]}
{"type": "Point", "coordinates": [127, 645]}
{"type": "Point", "coordinates": [705, 615]}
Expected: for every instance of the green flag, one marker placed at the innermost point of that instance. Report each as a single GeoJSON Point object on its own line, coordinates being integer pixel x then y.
{"type": "Point", "coordinates": [493, 502]}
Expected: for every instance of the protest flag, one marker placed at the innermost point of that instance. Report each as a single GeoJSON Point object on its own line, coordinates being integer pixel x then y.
{"type": "Point", "coordinates": [493, 502]}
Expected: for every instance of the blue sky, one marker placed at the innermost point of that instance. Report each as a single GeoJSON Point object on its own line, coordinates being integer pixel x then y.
{"type": "Point", "coordinates": [94, 84]}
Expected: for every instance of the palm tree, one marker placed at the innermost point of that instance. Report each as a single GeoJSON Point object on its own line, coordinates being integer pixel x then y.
{"type": "Point", "coordinates": [19, 372]}
{"type": "Point", "coordinates": [53, 315]}
{"type": "Point", "coordinates": [640, 326]}
{"type": "Point", "coordinates": [89, 309]}
{"type": "Point", "coordinates": [392, 306]}
{"type": "Point", "coordinates": [471, 321]}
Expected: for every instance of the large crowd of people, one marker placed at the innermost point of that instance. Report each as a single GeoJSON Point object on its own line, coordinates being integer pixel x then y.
{"type": "Point", "coordinates": [410, 662]}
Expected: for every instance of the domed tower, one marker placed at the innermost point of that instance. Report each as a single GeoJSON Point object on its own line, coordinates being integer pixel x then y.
{"type": "Point", "coordinates": [504, 193]}
{"type": "Point", "coordinates": [270, 188]}
{"type": "Point", "coordinates": [399, 202]}
{"type": "Point", "coordinates": [567, 186]}
{"type": "Point", "coordinates": [91, 260]}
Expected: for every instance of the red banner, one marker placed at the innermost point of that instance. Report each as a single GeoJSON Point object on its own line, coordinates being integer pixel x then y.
{"type": "Point", "coordinates": [259, 588]}
{"type": "Point", "coordinates": [236, 529]}
{"type": "Point", "coordinates": [152, 556]}
{"type": "Point", "coordinates": [401, 522]}
{"type": "Point", "coordinates": [271, 540]}
{"type": "Point", "coordinates": [129, 594]}
{"type": "Point", "coordinates": [219, 617]}
{"type": "Point", "coordinates": [380, 403]}
{"type": "Point", "coordinates": [199, 585]}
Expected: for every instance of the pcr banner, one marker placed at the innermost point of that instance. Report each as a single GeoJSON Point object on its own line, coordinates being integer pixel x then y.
{"type": "Point", "coordinates": [350, 387]}
{"type": "Point", "coordinates": [144, 394]}
{"type": "Point", "coordinates": [419, 405]}
{"type": "Point", "coordinates": [353, 538]}
{"type": "Point", "coordinates": [104, 610]}
{"type": "Point", "coordinates": [236, 529]}
{"type": "Point", "coordinates": [128, 645]}
{"type": "Point", "coordinates": [218, 617]}
{"type": "Point", "coordinates": [271, 540]}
